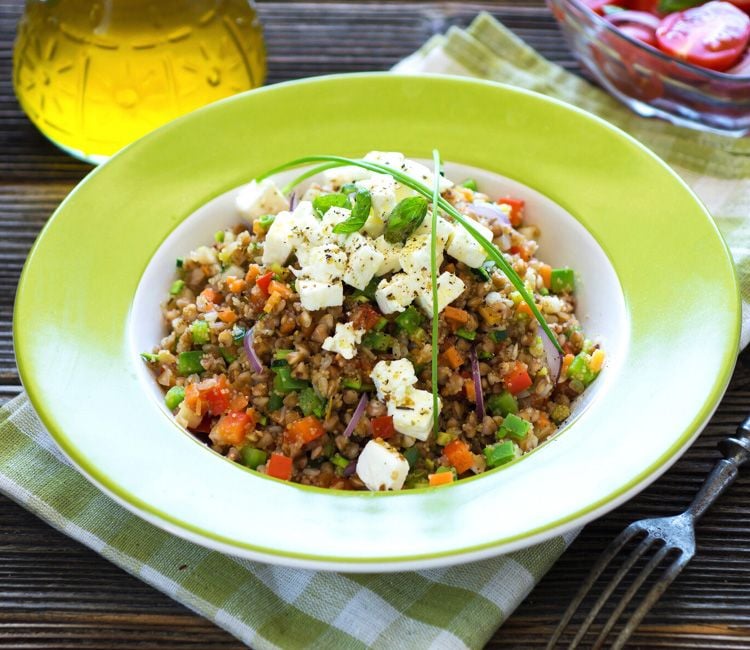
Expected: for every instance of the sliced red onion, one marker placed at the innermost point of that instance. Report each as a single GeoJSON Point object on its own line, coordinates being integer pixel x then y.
{"type": "Point", "coordinates": [488, 211]}
{"type": "Point", "coordinates": [350, 469]}
{"type": "Point", "coordinates": [252, 356]}
{"type": "Point", "coordinates": [293, 200]}
{"type": "Point", "coordinates": [649, 21]}
{"type": "Point", "coordinates": [554, 358]}
{"type": "Point", "coordinates": [357, 416]}
{"type": "Point", "coordinates": [477, 378]}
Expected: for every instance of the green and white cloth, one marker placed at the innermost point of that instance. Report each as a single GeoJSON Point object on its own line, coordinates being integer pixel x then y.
{"type": "Point", "coordinates": [267, 606]}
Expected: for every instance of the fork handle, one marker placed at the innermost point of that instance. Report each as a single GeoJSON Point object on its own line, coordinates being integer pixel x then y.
{"type": "Point", "coordinates": [736, 451]}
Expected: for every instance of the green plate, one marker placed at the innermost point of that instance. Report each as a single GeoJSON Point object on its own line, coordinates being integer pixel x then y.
{"type": "Point", "coordinates": [656, 277]}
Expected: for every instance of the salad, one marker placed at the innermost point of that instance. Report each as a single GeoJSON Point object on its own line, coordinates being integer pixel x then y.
{"type": "Point", "coordinates": [713, 35]}
{"type": "Point", "coordinates": [372, 325]}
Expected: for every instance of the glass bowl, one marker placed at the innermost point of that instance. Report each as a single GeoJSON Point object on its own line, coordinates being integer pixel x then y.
{"type": "Point", "coordinates": [650, 82]}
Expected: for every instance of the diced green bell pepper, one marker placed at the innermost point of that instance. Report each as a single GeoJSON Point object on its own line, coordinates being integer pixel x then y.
{"type": "Point", "coordinates": [283, 382]}
{"type": "Point", "coordinates": [499, 454]}
{"type": "Point", "coordinates": [466, 334]}
{"type": "Point", "coordinates": [502, 404]}
{"type": "Point", "coordinates": [579, 369]}
{"type": "Point", "coordinates": [200, 332]}
{"type": "Point", "coordinates": [514, 427]}
{"type": "Point", "coordinates": [189, 363]}
{"type": "Point", "coordinates": [252, 457]}
{"type": "Point", "coordinates": [176, 287]}
{"type": "Point", "coordinates": [311, 403]}
{"type": "Point", "coordinates": [378, 341]}
{"type": "Point", "coordinates": [174, 397]}
{"type": "Point", "coordinates": [562, 280]}
{"type": "Point", "coordinates": [409, 320]}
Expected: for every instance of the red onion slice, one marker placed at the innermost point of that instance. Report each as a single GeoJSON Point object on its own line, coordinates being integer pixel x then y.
{"type": "Point", "coordinates": [293, 200]}
{"type": "Point", "coordinates": [554, 358]}
{"type": "Point", "coordinates": [489, 211]}
{"type": "Point", "coordinates": [356, 416]}
{"type": "Point", "coordinates": [649, 21]}
{"type": "Point", "coordinates": [252, 357]}
{"type": "Point", "coordinates": [477, 378]}
{"type": "Point", "coordinates": [350, 469]}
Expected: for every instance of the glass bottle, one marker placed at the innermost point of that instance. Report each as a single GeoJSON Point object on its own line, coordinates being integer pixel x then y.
{"type": "Point", "coordinates": [94, 75]}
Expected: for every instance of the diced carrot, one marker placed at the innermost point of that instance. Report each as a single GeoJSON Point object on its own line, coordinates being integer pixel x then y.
{"type": "Point", "coordinates": [521, 251]}
{"type": "Point", "coordinates": [523, 308]}
{"type": "Point", "coordinates": [567, 360]}
{"type": "Point", "coordinates": [453, 358]}
{"type": "Point", "coordinates": [273, 300]}
{"type": "Point", "coordinates": [279, 466]}
{"type": "Point", "coordinates": [238, 403]}
{"type": "Point", "coordinates": [518, 379]}
{"type": "Point", "coordinates": [459, 455]}
{"type": "Point", "coordinates": [211, 296]}
{"type": "Point", "coordinates": [456, 315]}
{"type": "Point", "coordinates": [192, 398]}
{"type": "Point", "coordinates": [235, 285]}
{"type": "Point", "coordinates": [516, 209]}
{"type": "Point", "coordinates": [227, 316]}
{"type": "Point", "coordinates": [545, 271]}
{"type": "Point", "coordinates": [304, 430]}
{"type": "Point", "coordinates": [252, 273]}
{"type": "Point", "coordinates": [597, 360]}
{"type": "Point", "coordinates": [441, 478]}
{"type": "Point", "coordinates": [282, 289]}
{"type": "Point", "coordinates": [470, 390]}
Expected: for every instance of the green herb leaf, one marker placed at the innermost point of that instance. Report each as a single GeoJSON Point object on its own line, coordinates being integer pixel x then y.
{"type": "Point", "coordinates": [669, 6]}
{"type": "Point", "coordinates": [360, 212]}
{"type": "Point", "coordinates": [404, 219]}
{"type": "Point", "coordinates": [324, 202]}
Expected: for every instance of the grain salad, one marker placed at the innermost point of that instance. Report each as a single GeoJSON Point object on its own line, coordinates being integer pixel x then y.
{"type": "Point", "coordinates": [299, 342]}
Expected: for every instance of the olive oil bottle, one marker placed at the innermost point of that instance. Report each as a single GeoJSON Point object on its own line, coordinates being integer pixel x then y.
{"type": "Point", "coordinates": [94, 75]}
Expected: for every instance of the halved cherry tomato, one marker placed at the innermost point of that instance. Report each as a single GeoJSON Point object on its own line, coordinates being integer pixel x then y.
{"type": "Point", "coordinates": [712, 36]}
{"type": "Point", "coordinates": [518, 379]}
{"type": "Point", "coordinates": [279, 466]}
{"type": "Point", "coordinates": [382, 427]}
{"type": "Point", "coordinates": [264, 281]}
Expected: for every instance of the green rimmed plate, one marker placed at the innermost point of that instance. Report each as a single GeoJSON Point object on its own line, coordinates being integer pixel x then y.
{"type": "Point", "coordinates": [670, 320]}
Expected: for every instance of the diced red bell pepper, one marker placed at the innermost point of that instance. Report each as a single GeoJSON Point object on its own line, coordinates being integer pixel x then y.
{"type": "Point", "coordinates": [382, 427]}
{"type": "Point", "coordinates": [304, 430]}
{"type": "Point", "coordinates": [279, 466]}
{"type": "Point", "coordinates": [516, 209]}
{"type": "Point", "coordinates": [459, 455]}
{"type": "Point", "coordinates": [264, 281]}
{"type": "Point", "coordinates": [518, 379]}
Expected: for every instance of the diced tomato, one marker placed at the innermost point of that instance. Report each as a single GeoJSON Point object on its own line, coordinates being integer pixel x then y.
{"type": "Point", "coordinates": [459, 455]}
{"type": "Point", "coordinates": [382, 427]}
{"type": "Point", "coordinates": [264, 281]}
{"type": "Point", "coordinates": [211, 395]}
{"type": "Point", "coordinates": [279, 466]}
{"type": "Point", "coordinates": [232, 427]}
{"type": "Point", "coordinates": [713, 35]}
{"type": "Point", "coordinates": [649, 6]}
{"type": "Point", "coordinates": [211, 295]}
{"type": "Point", "coordinates": [521, 251]}
{"type": "Point", "coordinates": [365, 317]}
{"type": "Point", "coordinates": [279, 287]}
{"type": "Point", "coordinates": [518, 379]}
{"type": "Point", "coordinates": [516, 209]}
{"type": "Point", "coordinates": [304, 430]}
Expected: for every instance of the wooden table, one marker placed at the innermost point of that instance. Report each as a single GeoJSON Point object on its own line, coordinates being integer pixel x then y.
{"type": "Point", "coordinates": [54, 593]}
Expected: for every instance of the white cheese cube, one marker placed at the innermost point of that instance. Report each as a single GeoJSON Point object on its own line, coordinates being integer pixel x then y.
{"type": "Point", "coordinates": [450, 287]}
{"type": "Point", "coordinates": [415, 257]}
{"type": "Point", "coordinates": [279, 242]}
{"type": "Point", "coordinates": [397, 293]}
{"type": "Point", "coordinates": [444, 229]}
{"type": "Point", "coordinates": [331, 219]}
{"type": "Point", "coordinates": [382, 190]}
{"type": "Point", "coordinates": [316, 295]}
{"type": "Point", "coordinates": [304, 228]}
{"type": "Point", "coordinates": [390, 253]}
{"type": "Point", "coordinates": [326, 263]}
{"type": "Point", "coordinates": [339, 176]}
{"type": "Point", "coordinates": [424, 175]}
{"type": "Point", "coordinates": [393, 159]}
{"type": "Point", "coordinates": [392, 379]}
{"type": "Point", "coordinates": [412, 415]}
{"type": "Point", "coordinates": [364, 261]}
{"type": "Point", "coordinates": [465, 248]}
{"type": "Point", "coordinates": [257, 199]}
{"type": "Point", "coordinates": [381, 467]}
{"type": "Point", "coordinates": [345, 340]}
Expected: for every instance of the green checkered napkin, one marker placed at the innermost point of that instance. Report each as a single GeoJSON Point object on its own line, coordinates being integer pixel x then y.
{"type": "Point", "coordinates": [275, 607]}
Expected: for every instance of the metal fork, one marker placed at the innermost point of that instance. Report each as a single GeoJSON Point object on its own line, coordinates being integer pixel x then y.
{"type": "Point", "coordinates": [666, 536]}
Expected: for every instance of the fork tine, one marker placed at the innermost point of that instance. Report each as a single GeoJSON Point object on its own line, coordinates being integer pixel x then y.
{"type": "Point", "coordinates": [604, 559]}
{"type": "Point", "coordinates": [628, 596]}
{"type": "Point", "coordinates": [636, 553]}
{"type": "Point", "coordinates": [648, 602]}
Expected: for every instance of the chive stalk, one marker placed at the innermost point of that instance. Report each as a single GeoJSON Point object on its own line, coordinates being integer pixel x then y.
{"type": "Point", "coordinates": [433, 282]}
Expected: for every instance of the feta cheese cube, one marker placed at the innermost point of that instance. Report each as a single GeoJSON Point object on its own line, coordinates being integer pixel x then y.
{"type": "Point", "coordinates": [393, 159]}
{"type": "Point", "coordinates": [382, 190]}
{"type": "Point", "coordinates": [390, 253]}
{"type": "Point", "coordinates": [412, 415]}
{"type": "Point", "coordinates": [444, 229]}
{"type": "Point", "coordinates": [415, 257]}
{"type": "Point", "coordinates": [326, 263]}
{"type": "Point", "coordinates": [316, 295]}
{"type": "Point", "coordinates": [339, 176]}
{"type": "Point", "coordinates": [465, 248]}
{"type": "Point", "coordinates": [257, 199]}
{"type": "Point", "coordinates": [397, 293]}
{"type": "Point", "coordinates": [364, 261]}
{"type": "Point", "coordinates": [345, 340]}
{"type": "Point", "coordinates": [279, 242]}
{"type": "Point", "coordinates": [304, 229]}
{"type": "Point", "coordinates": [392, 379]}
{"type": "Point", "coordinates": [424, 175]}
{"type": "Point", "coordinates": [450, 287]}
{"type": "Point", "coordinates": [331, 218]}
{"type": "Point", "coordinates": [381, 467]}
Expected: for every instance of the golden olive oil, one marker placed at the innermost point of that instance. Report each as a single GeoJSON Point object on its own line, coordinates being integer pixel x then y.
{"type": "Point", "coordinates": [95, 75]}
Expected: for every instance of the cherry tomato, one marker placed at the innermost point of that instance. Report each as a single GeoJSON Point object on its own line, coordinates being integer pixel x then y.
{"type": "Point", "coordinates": [712, 36]}
{"type": "Point", "coordinates": [741, 4]}
{"type": "Point", "coordinates": [597, 6]}
{"type": "Point", "coordinates": [639, 33]}
{"type": "Point", "coordinates": [649, 6]}
{"type": "Point", "coordinates": [638, 25]}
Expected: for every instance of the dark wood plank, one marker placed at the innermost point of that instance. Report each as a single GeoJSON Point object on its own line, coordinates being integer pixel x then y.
{"type": "Point", "coordinates": [54, 593]}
